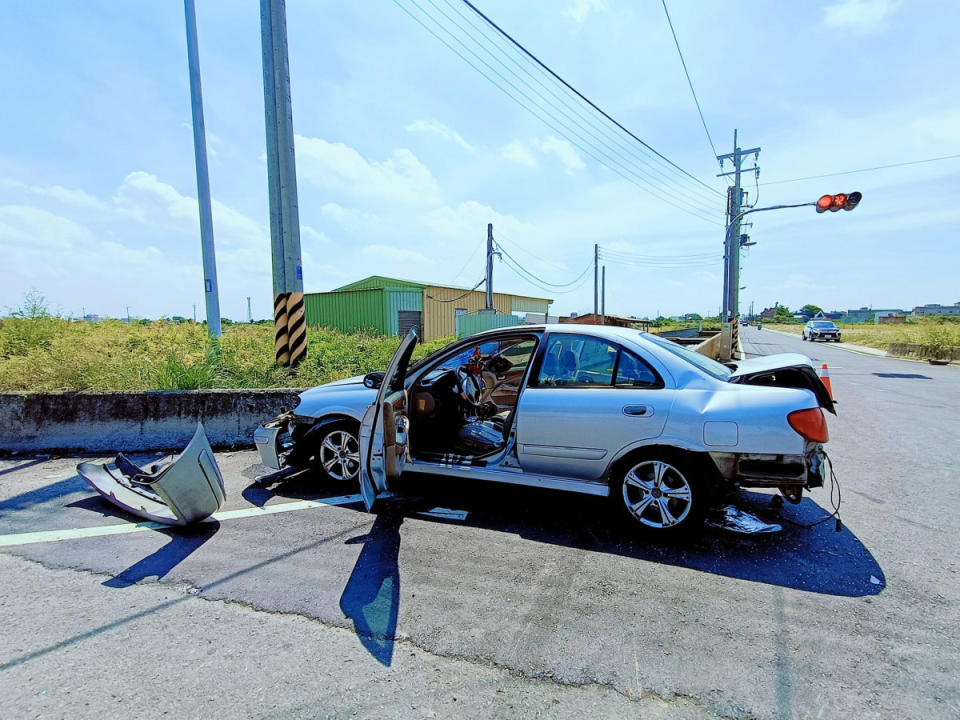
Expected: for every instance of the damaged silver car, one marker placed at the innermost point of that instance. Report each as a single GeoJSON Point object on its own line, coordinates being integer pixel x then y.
{"type": "Point", "coordinates": [597, 410]}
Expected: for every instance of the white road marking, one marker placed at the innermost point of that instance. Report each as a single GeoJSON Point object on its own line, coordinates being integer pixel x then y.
{"type": "Point", "coordinates": [45, 536]}
{"type": "Point", "coordinates": [445, 513]}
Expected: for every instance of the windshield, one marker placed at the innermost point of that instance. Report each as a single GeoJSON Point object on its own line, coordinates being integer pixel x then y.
{"type": "Point", "coordinates": [824, 325]}
{"type": "Point", "coordinates": [711, 367]}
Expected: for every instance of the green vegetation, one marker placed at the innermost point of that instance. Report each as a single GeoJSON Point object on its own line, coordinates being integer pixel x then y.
{"type": "Point", "coordinates": [937, 333]}
{"type": "Point", "coordinates": [41, 352]}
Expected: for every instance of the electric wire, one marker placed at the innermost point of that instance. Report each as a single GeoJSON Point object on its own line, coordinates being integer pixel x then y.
{"type": "Point", "coordinates": [518, 246]}
{"type": "Point", "coordinates": [835, 504]}
{"type": "Point", "coordinates": [592, 151]}
{"type": "Point", "coordinates": [583, 97]}
{"type": "Point", "coordinates": [459, 297]}
{"type": "Point", "coordinates": [539, 279]}
{"type": "Point", "coordinates": [571, 135]}
{"type": "Point", "coordinates": [469, 260]}
{"type": "Point", "coordinates": [863, 170]}
{"type": "Point", "coordinates": [553, 291]}
{"type": "Point", "coordinates": [610, 133]}
{"type": "Point", "coordinates": [689, 81]}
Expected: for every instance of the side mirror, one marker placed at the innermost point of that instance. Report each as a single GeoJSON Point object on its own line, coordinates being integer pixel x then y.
{"type": "Point", "coordinates": [373, 380]}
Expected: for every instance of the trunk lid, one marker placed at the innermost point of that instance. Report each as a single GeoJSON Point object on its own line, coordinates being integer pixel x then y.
{"type": "Point", "coordinates": [791, 370]}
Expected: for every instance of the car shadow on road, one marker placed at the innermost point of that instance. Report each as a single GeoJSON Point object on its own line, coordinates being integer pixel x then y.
{"type": "Point", "coordinates": [817, 559]}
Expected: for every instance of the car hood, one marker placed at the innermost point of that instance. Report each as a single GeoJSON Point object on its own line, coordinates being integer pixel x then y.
{"type": "Point", "coordinates": [348, 396]}
{"type": "Point", "coordinates": [791, 370]}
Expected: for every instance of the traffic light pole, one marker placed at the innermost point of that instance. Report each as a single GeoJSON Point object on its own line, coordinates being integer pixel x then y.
{"type": "Point", "coordinates": [731, 245]}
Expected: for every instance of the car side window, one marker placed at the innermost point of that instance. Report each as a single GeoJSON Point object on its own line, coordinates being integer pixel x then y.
{"type": "Point", "coordinates": [577, 361]}
{"type": "Point", "coordinates": [634, 372]}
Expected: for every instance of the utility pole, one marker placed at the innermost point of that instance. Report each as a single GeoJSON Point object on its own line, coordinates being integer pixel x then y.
{"type": "Point", "coordinates": [194, 313]}
{"type": "Point", "coordinates": [489, 281]}
{"type": "Point", "coordinates": [249, 312]}
{"type": "Point", "coordinates": [596, 261]}
{"type": "Point", "coordinates": [210, 290]}
{"type": "Point", "coordinates": [290, 329]}
{"type": "Point", "coordinates": [731, 244]}
{"type": "Point", "coordinates": [603, 295]}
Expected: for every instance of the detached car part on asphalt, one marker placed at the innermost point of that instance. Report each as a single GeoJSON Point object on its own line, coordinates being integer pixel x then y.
{"type": "Point", "coordinates": [176, 491]}
{"type": "Point", "coordinates": [660, 429]}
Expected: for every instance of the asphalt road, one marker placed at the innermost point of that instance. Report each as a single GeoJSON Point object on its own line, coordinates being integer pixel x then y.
{"type": "Point", "coordinates": [531, 605]}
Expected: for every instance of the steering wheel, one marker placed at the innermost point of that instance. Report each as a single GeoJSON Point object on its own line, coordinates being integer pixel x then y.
{"type": "Point", "coordinates": [469, 385]}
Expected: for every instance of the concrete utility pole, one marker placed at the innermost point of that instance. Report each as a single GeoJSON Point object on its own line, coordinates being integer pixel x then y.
{"type": "Point", "coordinates": [731, 243]}
{"type": "Point", "coordinates": [210, 290]}
{"type": "Point", "coordinates": [603, 295]}
{"type": "Point", "coordinates": [596, 260]}
{"type": "Point", "coordinates": [290, 329]}
{"type": "Point", "coordinates": [249, 311]}
{"type": "Point", "coordinates": [489, 281]}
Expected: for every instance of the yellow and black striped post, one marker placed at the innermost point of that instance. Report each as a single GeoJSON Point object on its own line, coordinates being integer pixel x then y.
{"type": "Point", "coordinates": [296, 328]}
{"type": "Point", "coordinates": [281, 334]}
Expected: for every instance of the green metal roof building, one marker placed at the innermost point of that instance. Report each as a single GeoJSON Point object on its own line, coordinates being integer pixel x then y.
{"type": "Point", "coordinates": [390, 306]}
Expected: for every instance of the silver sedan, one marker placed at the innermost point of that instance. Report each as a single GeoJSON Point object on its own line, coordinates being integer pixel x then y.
{"type": "Point", "coordinates": [597, 410]}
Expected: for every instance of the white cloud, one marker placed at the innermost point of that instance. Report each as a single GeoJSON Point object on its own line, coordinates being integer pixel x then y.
{"type": "Point", "coordinates": [580, 10]}
{"type": "Point", "coordinates": [335, 166]}
{"type": "Point", "coordinates": [434, 127]}
{"type": "Point", "coordinates": [563, 150]}
{"type": "Point", "coordinates": [393, 255]}
{"type": "Point", "coordinates": [146, 198]}
{"type": "Point", "coordinates": [68, 196]}
{"type": "Point", "coordinates": [311, 235]}
{"type": "Point", "coordinates": [467, 223]}
{"type": "Point", "coordinates": [519, 153]}
{"type": "Point", "coordinates": [859, 15]}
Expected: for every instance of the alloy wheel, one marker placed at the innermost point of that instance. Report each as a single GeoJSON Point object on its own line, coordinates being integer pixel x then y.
{"type": "Point", "coordinates": [340, 455]}
{"type": "Point", "coordinates": [657, 494]}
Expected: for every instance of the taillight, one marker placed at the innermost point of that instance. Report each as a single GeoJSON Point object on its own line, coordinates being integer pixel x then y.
{"type": "Point", "coordinates": [810, 423]}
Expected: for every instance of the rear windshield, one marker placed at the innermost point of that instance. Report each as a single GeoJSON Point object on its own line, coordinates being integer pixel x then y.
{"type": "Point", "coordinates": [709, 366]}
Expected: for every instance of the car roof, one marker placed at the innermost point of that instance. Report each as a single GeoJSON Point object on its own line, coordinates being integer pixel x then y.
{"type": "Point", "coordinates": [609, 332]}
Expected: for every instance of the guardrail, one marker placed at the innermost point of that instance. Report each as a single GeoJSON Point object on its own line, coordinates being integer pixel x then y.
{"type": "Point", "coordinates": [134, 421]}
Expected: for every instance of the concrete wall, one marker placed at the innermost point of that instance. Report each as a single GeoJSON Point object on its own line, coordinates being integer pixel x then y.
{"type": "Point", "coordinates": [134, 421]}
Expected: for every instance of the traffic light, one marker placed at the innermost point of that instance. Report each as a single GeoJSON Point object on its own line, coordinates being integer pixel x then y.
{"type": "Point", "coordinates": [841, 201]}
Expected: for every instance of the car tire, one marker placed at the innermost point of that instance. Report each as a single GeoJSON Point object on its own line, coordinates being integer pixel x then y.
{"type": "Point", "coordinates": [336, 452]}
{"type": "Point", "coordinates": [661, 494]}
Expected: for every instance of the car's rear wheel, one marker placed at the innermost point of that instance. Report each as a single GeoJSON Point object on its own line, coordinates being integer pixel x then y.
{"type": "Point", "coordinates": [661, 495]}
{"type": "Point", "coordinates": [337, 454]}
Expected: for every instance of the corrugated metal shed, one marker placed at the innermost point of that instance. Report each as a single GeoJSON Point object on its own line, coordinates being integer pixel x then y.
{"type": "Point", "coordinates": [348, 311]}
{"type": "Point", "coordinates": [380, 282]}
{"type": "Point", "coordinates": [377, 301]}
{"type": "Point", "coordinates": [439, 308]}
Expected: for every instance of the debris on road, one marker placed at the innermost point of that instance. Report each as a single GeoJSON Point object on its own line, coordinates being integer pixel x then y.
{"type": "Point", "coordinates": [733, 519]}
{"type": "Point", "coordinates": [175, 491]}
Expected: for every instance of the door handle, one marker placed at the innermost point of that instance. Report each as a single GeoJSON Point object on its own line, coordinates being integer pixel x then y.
{"type": "Point", "coordinates": [637, 410]}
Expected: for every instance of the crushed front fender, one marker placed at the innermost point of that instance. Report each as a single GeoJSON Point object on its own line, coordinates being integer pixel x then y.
{"type": "Point", "coordinates": [178, 491]}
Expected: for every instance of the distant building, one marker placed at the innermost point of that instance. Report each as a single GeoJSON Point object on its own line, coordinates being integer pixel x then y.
{"type": "Point", "coordinates": [866, 315]}
{"type": "Point", "coordinates": [768, 313]}
{"type": "Point", "coordinates": [390, 306]}
{"type": "Point", "coordinates": [934, 309]}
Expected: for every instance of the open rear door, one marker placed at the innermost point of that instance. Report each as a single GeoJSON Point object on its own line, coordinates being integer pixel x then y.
{"type": "Point", "coordinates": [383, 432]}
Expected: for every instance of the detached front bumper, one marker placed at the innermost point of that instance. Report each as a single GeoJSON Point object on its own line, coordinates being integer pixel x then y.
{"type": "Point", "coordinates": [762, 470]}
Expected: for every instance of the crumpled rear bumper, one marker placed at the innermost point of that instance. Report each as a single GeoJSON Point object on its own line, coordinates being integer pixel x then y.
{"type": "Point", "coordinates": [762, 470]}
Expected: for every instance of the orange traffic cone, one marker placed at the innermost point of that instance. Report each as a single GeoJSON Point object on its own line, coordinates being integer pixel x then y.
{"type": "Point", "coordinates": [825, 379]}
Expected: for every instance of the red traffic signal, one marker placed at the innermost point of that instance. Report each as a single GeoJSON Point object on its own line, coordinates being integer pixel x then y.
{"type": "Point", "coordinates": [840, 201]}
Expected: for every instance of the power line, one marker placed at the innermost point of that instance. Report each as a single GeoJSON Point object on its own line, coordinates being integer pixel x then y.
{"type": "Point", "coordinates": [689, 81]}
{"type": "Point", "coordinates": [581, 95]}
{"type": "Point", "coordinates": [553, 291]}
{"type": "Point", "coordinates": [469, 260]}
{"type": "Point", "coordinates": [518, 246]}
{"type": "Point", "coordinates": [539, 279]}
{"type": "Point", "coordinates": [612, 163]}
{"type": "Point", "coordinates": [610, 133]}
{"type": "Point", "coordinates": [458, 297]}
{"type": "Point", "coordinates": [863, 170]}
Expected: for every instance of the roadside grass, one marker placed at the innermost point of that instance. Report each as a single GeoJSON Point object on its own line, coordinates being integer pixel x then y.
{"type": "Point", "coordinates": [49, 353]}
{"type": "Point", "coordinates": [931, 332]}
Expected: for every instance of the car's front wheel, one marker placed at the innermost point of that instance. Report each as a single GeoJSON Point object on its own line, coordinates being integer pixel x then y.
{"type": "Point", "coordinates": [661, 496]}
{"type": "Point", "coordinates": [337, 455]}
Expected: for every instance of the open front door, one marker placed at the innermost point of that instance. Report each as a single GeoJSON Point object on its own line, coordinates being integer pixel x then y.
{"type": "Point", "coordinates": [383, 432]}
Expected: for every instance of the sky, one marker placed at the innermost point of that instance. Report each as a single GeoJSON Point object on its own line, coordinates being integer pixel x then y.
{"type": "Point", "coordinates": [405, 152]}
